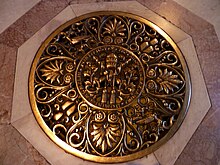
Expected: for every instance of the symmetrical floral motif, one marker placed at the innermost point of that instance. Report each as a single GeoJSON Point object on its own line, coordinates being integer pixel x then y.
{"type": "Point", "coordinates": [105, 135]}
{"type": "Point", "coordinates": [114, 28]}
{"type": "Point", "coordinates": [110, 85]}
{"type": "Point", "coordinates": [52, 71]}
{"type": "Point", "coordinates": [168, 81]}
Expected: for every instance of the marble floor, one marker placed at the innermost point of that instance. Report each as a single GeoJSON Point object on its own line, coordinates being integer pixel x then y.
{"type": "Point", "coordinates": [22, 20]}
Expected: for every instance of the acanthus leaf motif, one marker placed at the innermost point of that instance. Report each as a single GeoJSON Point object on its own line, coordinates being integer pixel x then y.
{"type": "Point", "coordinates": [104, 135]}
{"type": "Point", "coordinates": [52, 71]}
{"type": "Point", "coordinates": [115, 28]}
{"type": "Point", "coordinates": [168, 81]}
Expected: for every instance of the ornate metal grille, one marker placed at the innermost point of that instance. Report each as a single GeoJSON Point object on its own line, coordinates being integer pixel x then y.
{"type": "Point", "coordinates": [109, 87]}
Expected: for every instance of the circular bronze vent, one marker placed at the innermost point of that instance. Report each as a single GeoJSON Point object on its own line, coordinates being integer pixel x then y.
{"type": "Point", "coordinates": [109, 87]}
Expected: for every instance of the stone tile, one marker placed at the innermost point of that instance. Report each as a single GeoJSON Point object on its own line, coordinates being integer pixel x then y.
{"type": "Point", "coordinates": [92, 1]}
{"type": "Point", "coordinates": [151, 4]}
{"type": "Point", "coordinates": [26, 55]}
{"type": "Point", "coordinates": [12, 37]}
{"type": "Point", "coordinates": [217, 27]}
{"type": "Point", "coordinates": [16, 150]}
{"type": "Point", "coordinates": [179, 16]}
{"type": "Point", "coordinates": [198, 108]}
{"type": "Point", "coordinates": [11, 10]}
{"type": "Point", "coordinates": [125, 6]}
{"type": "Point", "coordinates": [34, 19]}
{"type": "Point", "coordinates": [208, 10]}
{"type": "Point", "coordinates": [204, 147]}
{"type": "Point", "coordinates": [7, 67]}
{"type": "Point", "coordinates": [208, 49]}
{"type": "Point", "coordinates": [132, 7]}
{"type": "Point", "coordinates": [2, 125]}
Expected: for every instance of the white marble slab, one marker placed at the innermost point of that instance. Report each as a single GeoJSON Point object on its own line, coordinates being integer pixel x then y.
{"type": "Point", "coordinates": [11, 10]}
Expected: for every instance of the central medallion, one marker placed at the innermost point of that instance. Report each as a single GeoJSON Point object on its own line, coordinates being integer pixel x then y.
{"type": "Point", "coordinates": [109, 87]}
{"type": "Point", "coordinates": [110, 77]}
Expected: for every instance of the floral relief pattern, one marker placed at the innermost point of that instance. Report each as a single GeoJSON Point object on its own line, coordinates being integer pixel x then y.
{"type": "Point", "coordinates": [115, 28]}
{"type": "Point", "coordinates": [109, 85]}
{"type": "Point", "coordinates": [52, 72]}
{"type": "Point", "coordinates": [105, 135]}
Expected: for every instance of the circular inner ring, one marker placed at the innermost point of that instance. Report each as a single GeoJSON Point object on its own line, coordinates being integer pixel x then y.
{"type": "Point", "coordinates": [110, 77]}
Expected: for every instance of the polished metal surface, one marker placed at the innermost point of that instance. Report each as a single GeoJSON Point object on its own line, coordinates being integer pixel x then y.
{"type": "Point", "coordinates": [109, 87]}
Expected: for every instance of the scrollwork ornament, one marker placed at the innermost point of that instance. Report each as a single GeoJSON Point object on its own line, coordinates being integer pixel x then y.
{"type": "Point", "coordinates": [109, 87]}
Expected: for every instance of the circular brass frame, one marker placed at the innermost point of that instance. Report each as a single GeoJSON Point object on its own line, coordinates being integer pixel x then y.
{"type": "Point", "coordinates": [97, 158]}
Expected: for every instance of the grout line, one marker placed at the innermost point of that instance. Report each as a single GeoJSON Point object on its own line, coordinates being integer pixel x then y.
{"type": "Point", "coordinates": [17, 120]}
{"type": "Point", "coordinates": [71, 6]}
{"type": "Point", "coordinates": [156, 158]}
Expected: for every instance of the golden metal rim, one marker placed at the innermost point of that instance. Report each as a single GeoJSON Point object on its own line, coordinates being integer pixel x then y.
{"type": "Point", "coordinates": [116, 159]}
